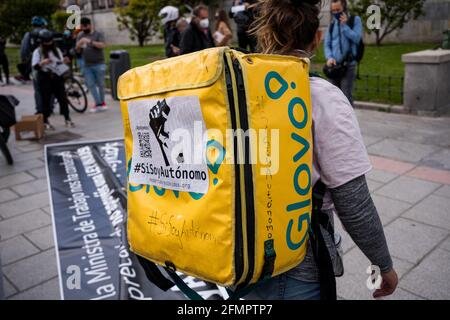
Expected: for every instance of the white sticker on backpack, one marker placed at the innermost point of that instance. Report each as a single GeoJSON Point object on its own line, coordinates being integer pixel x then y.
{"type": "Point", "coordinates": [168, 144]}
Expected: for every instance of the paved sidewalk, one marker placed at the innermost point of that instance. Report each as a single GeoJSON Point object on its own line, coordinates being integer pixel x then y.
{"type": "Point", "coordinates": [410, 184]}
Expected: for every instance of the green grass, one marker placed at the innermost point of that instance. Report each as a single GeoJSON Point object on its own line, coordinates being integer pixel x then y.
{"type": "Point", "coordinates": [384, 61]}
{"type": "Point", "coordinates": [140, 56]}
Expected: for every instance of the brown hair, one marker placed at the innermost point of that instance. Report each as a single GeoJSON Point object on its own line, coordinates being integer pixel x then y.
{"type": "Point", "coordinates": [282, 26]}
{"type": "Point", "coordinates": [222, 17]}
{"type": "Point", "coordinates": [198, 9]}
{"type": "Point", "coordinates": [343, 2]}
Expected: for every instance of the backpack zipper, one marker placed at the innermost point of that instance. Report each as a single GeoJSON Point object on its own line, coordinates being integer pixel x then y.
{"type": "Point", "coordinates": [239, 249]}
{"type": "Point", "coordinates": [248, 176]}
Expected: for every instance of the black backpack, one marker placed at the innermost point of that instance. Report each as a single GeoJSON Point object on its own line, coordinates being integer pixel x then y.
{"type": "Point", "coordinates": [361, 46]}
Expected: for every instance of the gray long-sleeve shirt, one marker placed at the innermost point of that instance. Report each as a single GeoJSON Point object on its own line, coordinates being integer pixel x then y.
{"type": "Point", "coordinates": [359, 216]}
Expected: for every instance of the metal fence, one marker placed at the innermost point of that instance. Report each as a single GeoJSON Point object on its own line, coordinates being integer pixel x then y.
{"type": "Point", "coordinates": [383, 88]}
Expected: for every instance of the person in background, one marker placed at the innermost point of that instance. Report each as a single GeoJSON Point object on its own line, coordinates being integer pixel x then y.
{"type": "Point", "coordinates": [182, 25]}
{"type": "Point", "coordinates": [45, 61]}
{"type": "Point", "coordinates": [66, 43]}
{"type": "Point", "coordinates": [197, 35]}
{"type": "Point", "coordinates": [78, 54]}
{"type": "Point", "coordinates": [92, 44]}
{"type": "Point", "coordinates": [340, 159]}
{"type": "Point", "coordinates": [30, 42]}
{"type": "Point", "coordinates": [169, 16]}
{"type": "Point", "coordinates": [244, 20]}
{"type": "Point", "coordinates": [222, 35]}
{"type": "Point", "coordinates": [341, 45]}
{"type": "Point", "coordinates": [4, 64]}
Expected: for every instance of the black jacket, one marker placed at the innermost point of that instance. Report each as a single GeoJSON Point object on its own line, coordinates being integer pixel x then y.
{"type": "Point", "coordinates": [172, 37]}
{"type": "Point", "coordinates": [193, 39]}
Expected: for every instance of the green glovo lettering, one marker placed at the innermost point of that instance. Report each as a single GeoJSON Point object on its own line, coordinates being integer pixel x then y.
{"type": "Point", "coordinates": [303, 220]}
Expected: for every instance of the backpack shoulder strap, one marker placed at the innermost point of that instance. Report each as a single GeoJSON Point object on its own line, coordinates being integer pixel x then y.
{"type": "Point", "coordinates": [319, 248]}
{"type": "Point", "coordinates": [351, 22]}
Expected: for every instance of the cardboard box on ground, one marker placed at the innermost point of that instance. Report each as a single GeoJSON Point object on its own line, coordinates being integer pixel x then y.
{"type": "Point", "coordinates": [30, 127]}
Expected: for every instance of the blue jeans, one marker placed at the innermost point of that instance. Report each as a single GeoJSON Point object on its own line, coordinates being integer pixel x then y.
{"type": "Point", "coordinates": [80, 65]}
{"type": "Point", "coordinates": [95, 80]}
{"type": "Point", "coordinates": [283, 287]}
{"type": "Point", "coordinates": [346, 83]}
{"type": "Point", "coordinates": [37, 94]}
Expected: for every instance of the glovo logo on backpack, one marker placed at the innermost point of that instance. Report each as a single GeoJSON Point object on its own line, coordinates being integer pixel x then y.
{"type": "Point", "coordinates": [219, 152]}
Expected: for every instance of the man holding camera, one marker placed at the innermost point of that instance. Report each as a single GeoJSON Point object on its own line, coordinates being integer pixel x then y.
{"type": "Point", "coordinates": [342, 45]}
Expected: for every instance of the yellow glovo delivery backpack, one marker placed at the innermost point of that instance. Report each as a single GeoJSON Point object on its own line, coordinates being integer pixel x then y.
{"type": "Point", "coordinates": [219, 154]}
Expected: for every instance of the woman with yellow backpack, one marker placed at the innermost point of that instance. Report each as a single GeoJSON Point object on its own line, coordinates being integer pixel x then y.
{"type": "Point", "coordinates": [340, 160]}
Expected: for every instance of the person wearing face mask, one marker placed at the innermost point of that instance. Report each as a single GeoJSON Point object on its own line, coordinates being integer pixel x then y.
{"type": "Point", "coordinates": [340, 163]}
{"type": "Point", "coordinates": [91, 44]}
{"type": "Point", "coordinates": [197, 35]}
{"type": "Point", "coordinates": [341, 47]}
{"type": "Point", "coordinates": [48, 62]}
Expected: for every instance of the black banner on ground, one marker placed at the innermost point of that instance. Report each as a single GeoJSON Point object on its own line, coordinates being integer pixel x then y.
{"type": "Point", "coordinates": [87, 186]}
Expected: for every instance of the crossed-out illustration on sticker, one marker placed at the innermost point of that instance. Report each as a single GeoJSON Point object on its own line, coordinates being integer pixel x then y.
{"type": "Point", "coordinates": [158, 116]}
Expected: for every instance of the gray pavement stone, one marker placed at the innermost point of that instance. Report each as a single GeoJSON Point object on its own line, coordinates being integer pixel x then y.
{"type": "Point", "coordinates": [373, 185]}
{"type": "Point", "coordinates": [24, 204]}
{"type": "Point", "coordinates": [408, 189]}
{"type": "Point", "coordinates": [42, 238]}
{"type": "Point", "coordinates": [411, 241]}
{"type": "Point", "coordinates": [32, 271]}
{"type": "Point", "coordinates": [48, 290]}
{"type": "Point", "coordinates": [15, 249]}
{"type": "Point", "coordinates": [389, 209]}
{"type": "Point", "coordinates": [401, 150]}
{"type": "Point", "coordinates": [352, 286]}
{"type": "Point", "coordinates": [34, 146]}
{"type": "Point", "coordinates": [7, 195]}
{"type": "Point", "coordinates": [23, 223]}
{"type": "Point", "coordinates": [432, 210]}
{"type": "Point", "coordinates": [381, 176]}
{"type": "Point", "coordinates": [38, 173]}
{"type": "Point", "coordinates": [31, 187]}
{"type": "Point", "coordinates": [440, 159]}
{"type": "Point", "coordinates": [401, 294]}
{"type": "Point", "coordinates": [370, 140]}
{"type": "Point", "coordinates": [20, 156]}
{"type": "Point", "coordinates": [13, 179]}
{"type": "Point", "coordinates": [446, 244]}
{"type": "Point", "coordinates": [431, 278]}
{"type": "Point", "coordinates": [444, 191]}
{"type": "Point", "coordinates": [21, 166]}
{"type": "Point", "coordinates": [8, 288]}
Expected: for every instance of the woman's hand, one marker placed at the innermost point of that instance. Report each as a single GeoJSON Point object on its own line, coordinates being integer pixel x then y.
{"type": "Point", "coordinates": [45, 62]}
{"type": "Point", "coordinates": [388, 285]}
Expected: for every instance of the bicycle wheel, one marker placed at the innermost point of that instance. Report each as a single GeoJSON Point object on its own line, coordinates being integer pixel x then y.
{"type": "Point", "coordinates": [5, 151]}
{"type": "Point", "coordinates": [76, 96]}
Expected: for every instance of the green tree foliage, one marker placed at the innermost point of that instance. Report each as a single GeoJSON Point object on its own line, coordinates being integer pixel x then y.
{"type": "Point", "coordinates": [140, 17]}
{"type": "Point", "coordinates": [394, 14]}
{"type": "Point", "coordinates": [15, 16]}
{"type": "Point", "coordinates": [59, 20]}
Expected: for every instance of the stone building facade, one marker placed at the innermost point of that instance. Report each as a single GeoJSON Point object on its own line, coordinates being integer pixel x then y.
{"type": "Point", "coordinates": [428, 28]}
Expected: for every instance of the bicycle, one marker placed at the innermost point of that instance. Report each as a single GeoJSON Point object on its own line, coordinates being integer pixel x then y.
{"type": "Point", "coordinates": [76, 95]}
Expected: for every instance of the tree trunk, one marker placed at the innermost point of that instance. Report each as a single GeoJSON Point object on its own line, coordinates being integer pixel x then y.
{"type": "Point", "coordinates": [141, 41]}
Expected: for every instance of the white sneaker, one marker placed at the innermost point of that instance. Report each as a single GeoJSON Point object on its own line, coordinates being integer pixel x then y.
{"type": "Point", "coordinates": [94, 109]}
{"type": "Point", "coordinates": [103, 107]}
